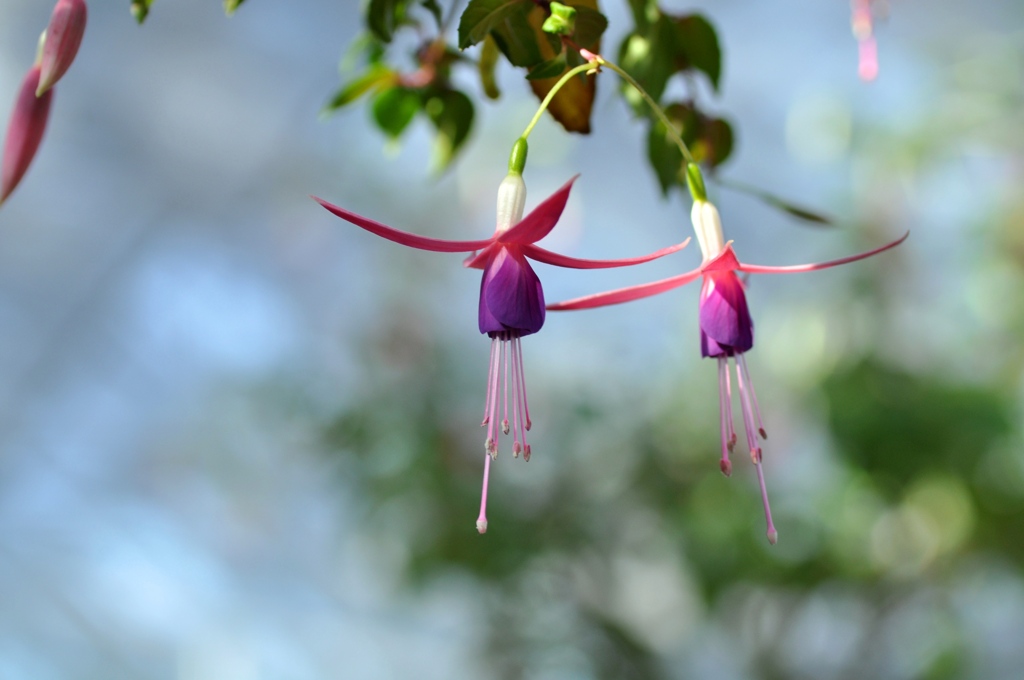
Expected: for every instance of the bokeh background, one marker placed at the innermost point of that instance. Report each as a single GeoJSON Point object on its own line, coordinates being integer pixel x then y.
{"type": "Point", "coordinates": [238, 437]}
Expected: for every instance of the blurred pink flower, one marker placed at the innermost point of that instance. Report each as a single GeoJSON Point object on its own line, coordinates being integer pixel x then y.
{"type": "Point", "coordinates": [24, 132]}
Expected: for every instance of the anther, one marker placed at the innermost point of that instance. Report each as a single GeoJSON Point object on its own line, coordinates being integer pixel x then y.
{"type": "Point", "coordinates": [726, 467]}
{"type": "Point", "coordinates": [526, 453]}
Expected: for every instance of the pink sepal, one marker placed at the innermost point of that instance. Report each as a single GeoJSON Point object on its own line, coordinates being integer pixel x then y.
{"type": "Point", "coordinates": [403, 237]}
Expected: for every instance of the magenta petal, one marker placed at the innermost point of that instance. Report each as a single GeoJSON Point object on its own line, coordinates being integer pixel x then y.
{"type": "Point", "coordinates": [725, 323]}
{"type": "Point", "coordinates": [511, 297]}
{"type": "Point", "coordinates": [798, 268]}
{"type": "Point", "coordinates": [547, 257]}
{"type": "Point", "coordinates": [541, 219]}
{"type": "Point", "coordinates": [620, 295]}
{"type": "Point", "coordinates": [403, 237]}
{"type": "Point", "coordinates": [24, 133]}
{"type": "Point", "coordinates": [63, 36]}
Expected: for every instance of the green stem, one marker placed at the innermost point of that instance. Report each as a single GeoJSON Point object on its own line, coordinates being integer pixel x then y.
{"type": "Point", "coordinates": [673, 133]}
{"type": "Point", "coordinates": [589, 66]}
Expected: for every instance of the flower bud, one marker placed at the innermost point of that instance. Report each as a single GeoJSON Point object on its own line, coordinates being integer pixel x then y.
{"type": "Point", "coordinates": [24, 133]}
{"type": "Point", "coordinates": [63, 36]}
{"type": "Point", "coordinates": [511, 201]}
{"type": "Point", "coordinates": [708, 226]}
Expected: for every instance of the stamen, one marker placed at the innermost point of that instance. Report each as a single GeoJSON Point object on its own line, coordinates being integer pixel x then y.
{"type": "Point", "coordinates": [491, 444]}
{"type": "Point", "coordinates": [723, 407]}
{"type": "Point", "coordinates": [481, 520]}
{"type": "Point", "coordinates": [773, 535]}
{"type": "Point", "coordinates": [504, 343]}
{"type": "Point", "coordinates": [728, 401]}
{"type": "Point", "coordinates": [518, 346]}
{"type": "Point", "coordinates": [490, 378]}
{"type": "Point", "coordinates": [516, 427]}
{"type": "Point", "coordinates": [520, 394]}
{"type": "Point", "coordinates": [753, 395]}
{"type": "Point", "coordinates": [748, 416]}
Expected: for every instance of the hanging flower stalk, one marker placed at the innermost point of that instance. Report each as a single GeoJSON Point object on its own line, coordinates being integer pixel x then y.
{"type": "Point", "coordinates": [726, 328]}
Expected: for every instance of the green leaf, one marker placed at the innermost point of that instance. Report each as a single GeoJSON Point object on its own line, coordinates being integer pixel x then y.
{"type": "Point", "coordinates": [644, 12]}
{"type": "Point", "coordinates": [697, 42]}
{"type": "Point", "coordinates": [590, 26]}
{"type": "Point", "coordinates": [776, 202]}
{"type": "Point", "coordinates": [231, 5]}
{"type": "Point", "coordinates": [348, 93]}
{"type": "Point", "coordinates": [800, 213]}
{"type": "Point", "coordinates": [140, 9]}
{"type": "Point", "coordinates": [552, 68]}
{"type": "Point", "coordinates": [435, 9]}
{"type": "Point", "coordinates": [718, 138]}
{"type": "Point", "coordinates": [486, 65]}
{"type": "Point", "coordinates": [650, 57]}
{"type": "Point", "coordinates": [482, 16]}
{"type": "Point", "coordinates": [518, 40]}
{"type": "Point", "coordinates": [451, 112]}
{"type": "Point", "coordinates": [662, 151]}
{"type": "Point", "coordinates": [394, 108]}
{"type": "Point", "coordinates": [384, 16]}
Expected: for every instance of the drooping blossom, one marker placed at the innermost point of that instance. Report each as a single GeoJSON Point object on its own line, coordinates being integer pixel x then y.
{"type": "Point", "coordinates": [511, 300]}
{"type": "Point", "coordinates": [63, 37]}
{"type": "Point", "coordinates": [24, 132]}
{"type": "Point", "coordinates": [726, 329]}
{"type": "Point", "coordinates": [862, 24]}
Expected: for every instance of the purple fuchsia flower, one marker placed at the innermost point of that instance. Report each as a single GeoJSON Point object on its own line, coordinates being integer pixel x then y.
{"type": "Point", "coordinates": [24, 132]}
{"type": "Point", "coordinates": [511, 300]}
{"type": "Point", "coordinates": [726, 329]}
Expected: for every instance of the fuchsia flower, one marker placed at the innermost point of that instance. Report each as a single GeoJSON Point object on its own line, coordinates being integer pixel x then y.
{"type": "Point", "coordinates": [511, 300]}
{"type": "Point", "coordinates": [24, 132]}
{"type": "Point", "coordinates": [63, 36]}
{"type": "Point", "coordinates": [861, 23]}
{"type": "Point", "coordinates": [726, 329]}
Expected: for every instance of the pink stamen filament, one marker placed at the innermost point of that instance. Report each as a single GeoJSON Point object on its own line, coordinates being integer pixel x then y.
{"type": "Point", "coordinates": [753, 395]}
{"type": "Point", "coordinates": [518, 342]}
{"type": "Point", "coordinates": [755, 450]}
{"type": "Point", "coordinates": [728, 403]}
{"type": "Point", "coordinates": [505, 347]}
{"type": "Point", "coordinates": [773, 535]}
{"type": "Point", "coordinates": [490, 374]}
{"type": "Point", "coordinates": [725, 409]}
{"type": "Point", "coordinates": [481, 520]}
{"type": "Point", "coordinates": [516, 418]}
{"type": "Point", "coordinates": [506, 363]}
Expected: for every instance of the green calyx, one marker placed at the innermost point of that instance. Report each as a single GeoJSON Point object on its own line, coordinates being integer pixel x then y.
{"type": "Point", "coordinates": [517, 160]}
{"type": "Point", "coordinates": [695, 180]}
{"type": "Point", "coordinates": [562, 20]}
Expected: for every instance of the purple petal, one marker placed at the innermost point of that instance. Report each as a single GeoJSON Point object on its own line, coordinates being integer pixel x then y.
{"type": "Point", "coordinates": [725, 323]}
{"type": "Point", "coordinates": [511, 297]}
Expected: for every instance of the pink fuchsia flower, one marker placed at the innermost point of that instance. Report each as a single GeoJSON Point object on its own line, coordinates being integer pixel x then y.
{"type": "Point", "coordinates": [63, 36]}
{"type": "Point", "coordinates": [862, 24]}
{"type": "Point", "coordinates": [511, 300]}
{"type": "Point", "coordinates": [726, 329]}
{"type": "Point", "coordinates": [24, 132]}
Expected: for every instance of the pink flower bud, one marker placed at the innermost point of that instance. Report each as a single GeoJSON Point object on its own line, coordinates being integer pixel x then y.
{"type": "Point", "coordinates": [63, 36]}
{"type": "Point", "coordinates": [24, 133]}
